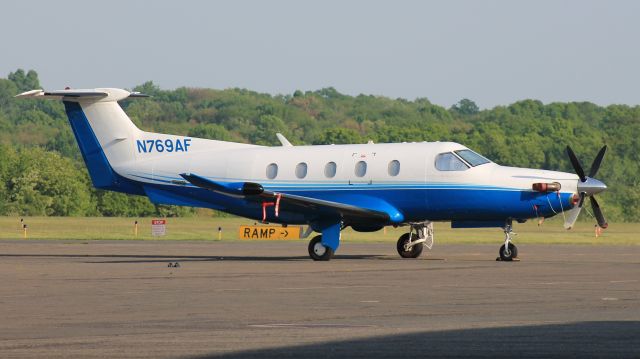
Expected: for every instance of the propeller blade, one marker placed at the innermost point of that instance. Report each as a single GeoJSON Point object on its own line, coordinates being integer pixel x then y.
{"type": "Point", "coordinates": [595, 166]}
{"type": "Point", "coordinates": [581, 203]}
{"type": "Point", "coordinates": [576, 164]}
{"type": "Point", "coordinates": [598, 213]}
{"type": "Point", "coordinates": [571, 217]}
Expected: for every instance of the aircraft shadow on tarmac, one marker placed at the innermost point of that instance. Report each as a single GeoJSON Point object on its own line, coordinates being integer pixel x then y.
{"type": "Point", "coordinates": [151, 258]}
{"type": "Point", "coordinates": [611, 339]}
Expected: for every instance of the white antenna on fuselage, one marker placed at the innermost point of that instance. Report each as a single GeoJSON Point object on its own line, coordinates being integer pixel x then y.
{"type": "Point", "coordinates": [283, 140]}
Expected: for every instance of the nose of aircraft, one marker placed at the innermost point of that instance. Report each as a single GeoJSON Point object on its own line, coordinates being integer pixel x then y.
{"type": "Point", "coordinates": [591, 186]}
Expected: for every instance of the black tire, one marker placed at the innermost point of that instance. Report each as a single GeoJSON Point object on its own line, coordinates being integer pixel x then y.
{"type": "Point", "coordinates": [414, 252]}
{"type": "Point", "coordinates": [316, 250]}
{"type": "Point", "coordinates": [510, 254]}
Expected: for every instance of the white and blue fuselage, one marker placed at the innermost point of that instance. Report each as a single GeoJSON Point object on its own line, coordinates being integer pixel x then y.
{"type": "Point", "coordinates": [366, 186]}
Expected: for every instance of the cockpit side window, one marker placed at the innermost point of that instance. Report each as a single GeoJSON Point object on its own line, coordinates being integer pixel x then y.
{"type": "Point", "coordinates": [472, 158]}
{"type": "Point", "coordinates": [449, 162]}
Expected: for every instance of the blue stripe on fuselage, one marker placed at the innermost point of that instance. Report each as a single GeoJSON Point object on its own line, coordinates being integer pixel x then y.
{"type": "Point", "coordinates": [414, 203]}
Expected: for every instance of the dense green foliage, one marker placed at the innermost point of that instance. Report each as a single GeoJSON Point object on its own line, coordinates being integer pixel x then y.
{"type": "Point", "coordinates": [41, 171]}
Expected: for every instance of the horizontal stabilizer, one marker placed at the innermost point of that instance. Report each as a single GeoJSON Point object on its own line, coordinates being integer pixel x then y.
{"type": "Point", "coordinates": [64, 93]}
{"type": "Point", "coordinates": [75, 95]}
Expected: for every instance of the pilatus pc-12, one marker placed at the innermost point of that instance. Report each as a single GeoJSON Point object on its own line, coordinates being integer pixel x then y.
{"type": "Point", "coordinates": [329, 187]}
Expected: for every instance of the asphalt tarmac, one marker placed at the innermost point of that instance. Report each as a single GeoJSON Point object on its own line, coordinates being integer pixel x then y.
{"type": "Point", "coordinates": [119, 299]}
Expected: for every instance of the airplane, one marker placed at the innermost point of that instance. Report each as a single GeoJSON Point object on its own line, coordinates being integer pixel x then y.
{"type": "Point", "coordinates": [327, 187]}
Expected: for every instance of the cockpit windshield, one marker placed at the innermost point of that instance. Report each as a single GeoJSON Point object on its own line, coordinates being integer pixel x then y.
{"type": "Point", "coordinates": [471, 157]}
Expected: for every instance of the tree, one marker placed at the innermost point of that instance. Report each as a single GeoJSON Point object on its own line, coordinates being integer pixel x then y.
{"type": "Point", "coordinates": [338, 136]}
{"type": "Point", "coordinates": [113, 204]}
{"type": "Point", "coordinates": [25, 82]}
{"type": "Point", "coordinates": [266, 128]}
{"type": "Point", "coordinates": [44, 183]}
{"type": "Point", "coordinates": [210, 131]}
{"type": "Point", "coordinates": [8, 89]}
{"type": "Point", "coordinates": [465, 107]}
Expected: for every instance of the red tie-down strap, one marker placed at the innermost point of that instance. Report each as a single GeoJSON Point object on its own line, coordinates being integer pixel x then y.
{"type": "Point", "coordinates": [269, 204]}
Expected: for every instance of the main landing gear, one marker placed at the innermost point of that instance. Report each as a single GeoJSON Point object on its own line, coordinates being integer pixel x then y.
{"type": "Point", "coordinates": [508, 251]}
{"type": "Point", "coordinates": [318, 251]}
{"type": "Point", "coordinates": [410, 245]}
{"type": "Point", "coordinates": [322, 247]}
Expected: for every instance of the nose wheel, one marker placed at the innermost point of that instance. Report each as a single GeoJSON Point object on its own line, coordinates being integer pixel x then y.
{"type": "Point", "coordinates": [318, 251]}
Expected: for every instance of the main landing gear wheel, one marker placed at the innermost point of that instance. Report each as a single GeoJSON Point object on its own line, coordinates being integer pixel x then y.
{"type": "Point", "coordinates": [408, 252]}
{"type": "Point", "coordinates": [508, 253]}
{"type": "Point", "coordinates": [318, 251]}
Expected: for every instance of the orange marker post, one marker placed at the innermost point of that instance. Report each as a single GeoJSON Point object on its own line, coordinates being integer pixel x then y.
{"type": "Point", "coordinates": [135, 228]}
{"type": "Point", "coordinates": [598, 231]}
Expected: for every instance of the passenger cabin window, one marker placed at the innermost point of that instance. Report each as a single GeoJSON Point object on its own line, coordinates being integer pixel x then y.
{"type": "Point", "coordinates": [394, 168]}
{"type": "Point", "coordinates": [472, 158]}
{"type": "Point", "coordinates": [449, 162]}
{"type": "Point", "coordinates": [272, 171]}
{"type": "Point", "coordinates": [301, 170]}
{"type": "Point", "coordinates": [361, 169]}
{"type": "Point", "coordinates": [330, 170]}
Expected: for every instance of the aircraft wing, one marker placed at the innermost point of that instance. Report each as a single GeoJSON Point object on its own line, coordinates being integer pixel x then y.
{"type": "Point", "coordinates": [362, 211]}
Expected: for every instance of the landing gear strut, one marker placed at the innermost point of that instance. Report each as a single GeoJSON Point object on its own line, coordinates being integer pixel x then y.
{"type": "Point", "coordinates": [410, 245]}
{"type": "Point", "coordinates": [508, 251]}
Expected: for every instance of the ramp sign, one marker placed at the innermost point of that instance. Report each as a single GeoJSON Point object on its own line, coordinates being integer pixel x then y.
{"type": "Point", "coordinates": [269, 232]}
{"type": "Point", "coordinates": [158, 227]}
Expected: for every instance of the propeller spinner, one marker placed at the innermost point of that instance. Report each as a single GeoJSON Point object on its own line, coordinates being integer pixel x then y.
{"type": "Point", "coordinates": [588, 186]}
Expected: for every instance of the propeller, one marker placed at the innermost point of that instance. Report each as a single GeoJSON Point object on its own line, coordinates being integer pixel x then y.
{"type": "Point", "coordinates": [588, 186]}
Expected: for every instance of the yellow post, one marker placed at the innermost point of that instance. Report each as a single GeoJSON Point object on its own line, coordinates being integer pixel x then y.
{"type": "Point", "coordinates": [24, 231]}
{"type": "Point", "coordinates": [219, 233]}
{"type": "Point", "coordinates": [135, 228]}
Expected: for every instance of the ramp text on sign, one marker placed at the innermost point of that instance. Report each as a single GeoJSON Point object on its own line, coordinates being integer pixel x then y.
{"type": "Point", "coordinates": [269, 232]}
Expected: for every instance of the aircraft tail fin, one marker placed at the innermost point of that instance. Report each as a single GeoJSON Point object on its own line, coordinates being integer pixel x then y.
{"type": "Point", "coordinates": [104, 132]}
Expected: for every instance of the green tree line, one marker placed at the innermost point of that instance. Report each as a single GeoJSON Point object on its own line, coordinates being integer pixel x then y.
{"type": "Point", "coordinates": [41, 170]}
